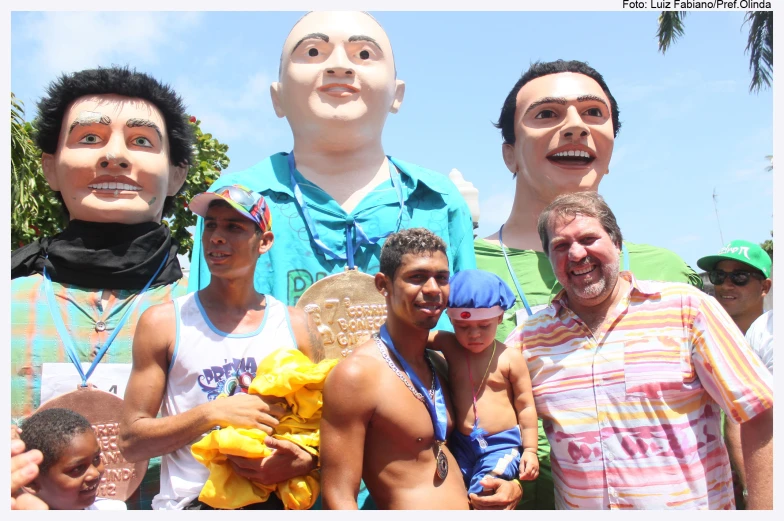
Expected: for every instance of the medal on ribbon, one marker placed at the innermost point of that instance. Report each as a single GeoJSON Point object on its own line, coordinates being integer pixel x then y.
{"type": "Point", "coordinates": [346, 307]}
{"type": "Point", "coordinates": [101, 409]}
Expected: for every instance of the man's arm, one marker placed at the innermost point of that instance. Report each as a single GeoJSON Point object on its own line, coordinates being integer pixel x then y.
{"type": "Point", "coordinates": [142, 435]}
{"type": "Point", "coordinates": [757, 442]}
{"type": "Point", "coordinates": [526, 412]}
{"type": "Point", "coordinates": [349, 404]}
{"type": "Point", "coordinates": [732, 440]}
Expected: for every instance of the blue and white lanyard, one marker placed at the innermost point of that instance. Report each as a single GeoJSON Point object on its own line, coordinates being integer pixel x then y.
{"type": "Point", "coordinates": [355, 235]}
{"type": "Point", "coordinates": [519, 288]}
{"type": "Point", "coordinates": [437, 407]}
{"type": "Point", "coordinates": [66, 338]}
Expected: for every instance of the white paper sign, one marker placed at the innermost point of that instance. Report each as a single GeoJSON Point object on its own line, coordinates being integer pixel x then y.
{"type": "Point", "coordinates": [58, 379]}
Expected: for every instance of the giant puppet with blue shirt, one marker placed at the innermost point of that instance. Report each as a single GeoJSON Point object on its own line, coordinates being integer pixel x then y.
{"type": "Point", "coordinates": [116, 144]}
{"type": "Point", "coordinates": [337, 195]}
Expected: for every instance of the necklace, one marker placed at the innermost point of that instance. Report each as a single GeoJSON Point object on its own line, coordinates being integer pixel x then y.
{"type": "Point", "coordinates": [478, 433]}
{"type": "Point", "coordinates": [419, 396]}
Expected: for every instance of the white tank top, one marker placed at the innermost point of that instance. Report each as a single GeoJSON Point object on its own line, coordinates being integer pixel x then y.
{"type": "Point", "coordinates": [206, 363]}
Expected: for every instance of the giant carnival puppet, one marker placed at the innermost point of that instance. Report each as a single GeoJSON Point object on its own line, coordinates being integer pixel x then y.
{"type": "Point", "coordinates": [559, 124]}
{"type": "Point", "coordinates": [336, 196]}
{"type": "Point", "coordinates": [116, 147]}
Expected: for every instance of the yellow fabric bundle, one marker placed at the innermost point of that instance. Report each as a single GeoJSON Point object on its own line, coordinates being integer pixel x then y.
{"type": "Point", "coordinates": [288, 374]}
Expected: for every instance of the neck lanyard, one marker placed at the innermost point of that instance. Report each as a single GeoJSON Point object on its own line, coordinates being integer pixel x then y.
{"type": "Point", "coordinates": [355, 235]}
{"type": "Point", "coordinates": [66, 338]}
{"type": "Point", "coordinates": [520, 292]}
{"type": "Point", "coordinates": [436, 407]}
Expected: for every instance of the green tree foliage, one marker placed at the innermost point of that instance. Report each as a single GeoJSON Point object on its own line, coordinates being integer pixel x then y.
{"type": "Point", "coordinates": [768, 245]}
{"type": "Point", "coordinates": [36, 212]}
{"type": "Point", "coordinates": [759, 45]}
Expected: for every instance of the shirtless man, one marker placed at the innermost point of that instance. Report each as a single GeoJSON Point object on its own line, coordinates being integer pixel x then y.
{"type": "Point", "coordinates": [374, 427]}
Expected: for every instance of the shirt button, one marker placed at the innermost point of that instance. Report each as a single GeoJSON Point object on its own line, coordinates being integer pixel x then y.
{"type": "Point", "coordinates": [610, 456]}
{"type": "Point", "coordinates": [100, 326]}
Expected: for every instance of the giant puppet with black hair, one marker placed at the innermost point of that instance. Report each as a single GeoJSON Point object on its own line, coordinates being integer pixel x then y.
{"type": "Point", "coordinates": [116, 147]}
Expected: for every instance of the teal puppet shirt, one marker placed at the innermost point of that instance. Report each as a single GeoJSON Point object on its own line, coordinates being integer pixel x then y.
{"type": "Point", "coordinates": [430, 200]}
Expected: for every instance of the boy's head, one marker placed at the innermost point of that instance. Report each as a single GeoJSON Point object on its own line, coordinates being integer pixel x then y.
{"type": "Point", "coordinates": [72, 467]}
{"type": "Point", "coordinates": [477, 301]}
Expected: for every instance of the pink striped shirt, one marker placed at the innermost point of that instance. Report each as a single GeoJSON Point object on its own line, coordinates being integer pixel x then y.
{"type": "Point", "coordinates": [632, 412]}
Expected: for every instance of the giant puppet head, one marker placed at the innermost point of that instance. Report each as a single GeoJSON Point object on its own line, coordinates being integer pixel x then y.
{"type": "Point", "coordinates": [337, 79]}
{"type": "Point", "coordinates": [559, 124]}
{"type": "Point", "coordinates": [116, 145]}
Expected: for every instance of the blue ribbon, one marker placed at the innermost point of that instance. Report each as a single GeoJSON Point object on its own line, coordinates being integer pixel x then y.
{"type": "Point", "coordinates": [519, 289]}
{"type": "Point", "coordinates": [66, 338]}
{"type": "Point", "coordinates": [520, 292]}
{"type": "Point", "coordinates": [437, 410]}
{"type": "Point", "coordinates": [355, 235]}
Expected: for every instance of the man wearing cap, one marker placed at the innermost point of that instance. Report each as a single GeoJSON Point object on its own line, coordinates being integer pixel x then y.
{"type": "Point", "coordinates": [195, 357]}
{"type": "Point", "coordinates": [740, 273]}
{"type": "Point", "coordinates": [628, 377]}
{"type": "Point", "coordinates": [337, 196]}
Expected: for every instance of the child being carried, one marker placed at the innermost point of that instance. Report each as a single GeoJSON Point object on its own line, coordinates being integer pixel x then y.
{"type": "Point", "coordinates": [496, 432]}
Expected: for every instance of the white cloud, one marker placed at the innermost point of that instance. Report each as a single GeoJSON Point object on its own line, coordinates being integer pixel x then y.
{"type": "Point", "coordinates": [71, 41]}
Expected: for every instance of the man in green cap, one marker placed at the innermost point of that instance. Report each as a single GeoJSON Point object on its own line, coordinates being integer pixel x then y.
{"type": "Point", "coordinates": [740, 273]}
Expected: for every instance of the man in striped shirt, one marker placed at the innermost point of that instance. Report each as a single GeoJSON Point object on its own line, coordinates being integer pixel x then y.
{"type": "Point", "coordinates": [628, 377]}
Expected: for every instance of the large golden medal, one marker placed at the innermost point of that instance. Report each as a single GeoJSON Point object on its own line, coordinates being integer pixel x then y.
{"type": "Point", "coordinates": [347, 309]}
{"type": "Point", "coordinates": [121, 478]}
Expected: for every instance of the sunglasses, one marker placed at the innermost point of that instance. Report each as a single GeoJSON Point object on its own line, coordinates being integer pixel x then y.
{"type": "Point", "coordinates": [738, 277]}
{"type": "Point", "coordinates": [241, 196]}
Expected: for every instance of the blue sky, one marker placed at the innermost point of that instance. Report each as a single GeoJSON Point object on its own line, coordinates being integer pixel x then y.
{"type": "Point", "coordinates": [689, 123]}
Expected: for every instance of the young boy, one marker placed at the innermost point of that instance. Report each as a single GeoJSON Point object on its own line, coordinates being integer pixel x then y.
{"type": "Point", "coordinates": [72, 468]}
{"type": "Point", "coordinates": [490, 386]}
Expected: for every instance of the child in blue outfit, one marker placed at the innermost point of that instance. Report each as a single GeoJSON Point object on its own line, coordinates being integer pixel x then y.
{"type": "Point", "coordinates": [496, 428]}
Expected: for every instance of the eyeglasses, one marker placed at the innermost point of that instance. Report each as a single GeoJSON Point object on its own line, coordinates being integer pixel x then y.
{"type": "Point", "coordinates": [738, 277]}
{"type": "Point", "coordinates": [239, 195]}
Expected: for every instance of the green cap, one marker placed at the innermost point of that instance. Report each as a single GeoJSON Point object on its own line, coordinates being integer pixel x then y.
{"type": "Point", "coordinates": [742, 251]}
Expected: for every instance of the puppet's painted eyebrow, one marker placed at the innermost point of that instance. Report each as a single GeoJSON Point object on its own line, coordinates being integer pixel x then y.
{"type": "Point", "coordinates": [90, 118]}
{"type": "Point", "coordinates": [363, 38]}
{"type": "Point", "coordinates": [564, 101]}
{"type": "Point", "coordinates": [318, 36]}
{"type": "Point", "coordinates": [138, 122]}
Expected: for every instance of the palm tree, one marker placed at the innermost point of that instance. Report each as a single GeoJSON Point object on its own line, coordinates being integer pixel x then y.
{"type": "Point", "coordinates": [759, 44]}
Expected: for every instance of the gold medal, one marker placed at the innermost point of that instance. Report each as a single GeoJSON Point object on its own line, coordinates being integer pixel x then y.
{"type": "Point", "coordinates": [121, 478]}
{"type": "Point", "coordinates": [442, 465]}
{"type": "Point", "coordinates": [347, 309]}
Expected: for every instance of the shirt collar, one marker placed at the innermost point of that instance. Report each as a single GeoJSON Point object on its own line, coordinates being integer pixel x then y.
{"type": "Point", "coordinates": [642, 287]}
{"type": "Point", "coordinates": [414, 174]}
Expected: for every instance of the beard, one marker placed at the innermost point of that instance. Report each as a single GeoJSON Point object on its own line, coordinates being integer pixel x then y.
{"type": "Point", "coordinates": [603, 285]}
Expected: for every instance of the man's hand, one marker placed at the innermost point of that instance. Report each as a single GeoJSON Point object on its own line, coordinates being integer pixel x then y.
{"type": "Point", "coordinates": [248, 411]}
{"type": "Point", "coordinates": [505, 495]}
{"type": "Point", "coordinates": [529, 466]}
{"type": "Point", "coordinates": [24, 469]}
{"type": "Point", "coordinates": [287, 461]}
